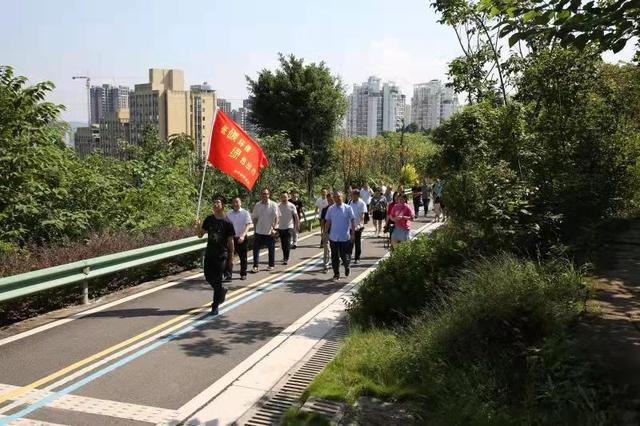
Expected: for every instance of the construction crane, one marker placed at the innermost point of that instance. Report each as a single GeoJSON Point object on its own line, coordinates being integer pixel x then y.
{"type": "Point", "coordinates": [88, 84]}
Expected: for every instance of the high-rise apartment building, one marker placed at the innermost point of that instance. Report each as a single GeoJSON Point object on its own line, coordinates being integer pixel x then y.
{"type": "Point", "coordinates": [105, 99]}
{"type": "Point", "coordinates": [114, 130]}
{"type": "Point", "coordinates": [224, 105]}
{"type": "Point", "coordinates": [86, 140]}
{"type": "Point", "coordinates": [432, 103]}
{"type": "Point", "coordinates": [374, 107]}
{"type": "Point", "coordinates": [164, 104]}
{"type": "Point", "coordinates": [202, 100]}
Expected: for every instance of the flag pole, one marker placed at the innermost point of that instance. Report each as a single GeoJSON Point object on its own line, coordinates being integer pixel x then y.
{"type": "Point", "coordinates": [206, 162]}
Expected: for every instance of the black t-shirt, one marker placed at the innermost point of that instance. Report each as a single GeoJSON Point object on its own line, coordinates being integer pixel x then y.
{"type": "Point", "coordinates": [417, 189]}
{"type": "Point", "coordinates": [298, 205]}
{"type": "Point", "coordinates": [218, 233]}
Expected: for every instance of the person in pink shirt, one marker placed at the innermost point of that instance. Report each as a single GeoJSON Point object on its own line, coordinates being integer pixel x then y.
{"type": "Point", "coordinates": [401, 214]}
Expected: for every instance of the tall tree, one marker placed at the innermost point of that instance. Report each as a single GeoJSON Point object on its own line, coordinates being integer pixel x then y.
{"type": "Point", "coordinates": [307, 102]}
{"type": "Point", "coordinates": [610, 25]}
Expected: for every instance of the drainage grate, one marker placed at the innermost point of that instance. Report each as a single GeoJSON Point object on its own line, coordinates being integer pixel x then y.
{"type": "Point", "coordinates": [269, 410]}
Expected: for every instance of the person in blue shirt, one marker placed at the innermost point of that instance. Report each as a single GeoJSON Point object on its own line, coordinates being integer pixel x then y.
{"type": "Point", "coordinates": [340, 226]}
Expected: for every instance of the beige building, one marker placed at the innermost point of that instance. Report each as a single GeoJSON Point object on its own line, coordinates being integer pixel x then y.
{"type": "Point", "coordinates": [86, 140]}
{"type": "Point", "coordinates": [114, 129]}
{"type": "Point", "coordinates": [165, 104]}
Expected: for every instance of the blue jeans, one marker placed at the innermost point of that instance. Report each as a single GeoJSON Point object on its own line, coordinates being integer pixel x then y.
{"type": "Point", "coordinates": [259, 241]}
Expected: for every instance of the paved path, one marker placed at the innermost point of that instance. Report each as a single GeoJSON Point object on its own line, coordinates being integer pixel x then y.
{"type": "Point", "coordinates": [141, 360]}
{"type": "Point", "coordinates": [610, 331]}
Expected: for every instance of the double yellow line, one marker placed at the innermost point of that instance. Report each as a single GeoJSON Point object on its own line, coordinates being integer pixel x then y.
{"type": "Point", "coordinates": [18, 392]}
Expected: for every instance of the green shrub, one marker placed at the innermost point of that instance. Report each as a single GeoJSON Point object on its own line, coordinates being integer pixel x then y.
{"type": "Point", "coordinates": [500, 352]}
{"type": "Point", "coordinates": [479, 361]}
{"type": "Point", "coordinates": [415, 277]}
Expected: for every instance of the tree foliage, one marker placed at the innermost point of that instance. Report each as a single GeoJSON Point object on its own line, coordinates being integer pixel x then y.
{"type": "Point", "coordinates": [305, 101]}
{"type": "Point", "coordinates": [609, 25]}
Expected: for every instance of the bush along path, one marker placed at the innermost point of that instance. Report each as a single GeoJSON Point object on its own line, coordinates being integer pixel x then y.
{"type": "Point", "coordinates": [496, 339]}
{"type": "Point", "coordinates": [610, 331]}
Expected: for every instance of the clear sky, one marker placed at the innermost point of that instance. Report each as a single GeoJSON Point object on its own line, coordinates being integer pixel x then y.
{"type": "Point", "coordinates": [220, 42]}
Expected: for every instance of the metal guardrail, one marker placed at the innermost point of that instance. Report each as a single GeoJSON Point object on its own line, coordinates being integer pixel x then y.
{"type": "Point", "coordinates": [84, 270]}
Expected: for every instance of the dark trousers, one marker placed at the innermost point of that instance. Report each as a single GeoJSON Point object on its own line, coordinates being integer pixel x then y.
{"type": "Point", "coordinates": [340, 250]}
{"type": "Point", "coordinates": [241, 251]}
{"type": "Point", "coordinates": [416, 206]}
{"type": "Point", "coordinates": [213, 270]}
{"type": "Point", "coordinates": [285, 242]}
{"type": "Point", "coordinates": [357, 243]}
{"type": "Point", "coordinates": [260, 241]}
{"type": "Point", "coordinates": [426, 206]}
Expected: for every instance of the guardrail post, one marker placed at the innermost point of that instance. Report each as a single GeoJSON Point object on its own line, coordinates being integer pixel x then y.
{"type": "Point", "coordinates": [85, 287]}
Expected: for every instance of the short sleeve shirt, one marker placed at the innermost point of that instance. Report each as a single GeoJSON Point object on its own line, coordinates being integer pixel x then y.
{"type": "Point", "coordinates": [341, 217]}
{"type": "Point", "coordinates": [379, 204]}
{"type": "Point", "coordinates": [365, 195]}
{"type": "Point", "coordinates": [321, 203]}
{"type": "Point", "coordinates": [287, 213]}
{"type": "Point", "coordinates": [359, 208]}
{"type": "Point", "coordinates": [239, 219]}
{"type": "Point", "coordinates": [264, 215]}
{"type": "Point", "coordinates": [218, 232]}
{"type": "Point", "coordinates": [402, 209]}
{"type": "Point", "coordinates": [299, 205]}
{"type": "Point", "coordinates": [418, 190]}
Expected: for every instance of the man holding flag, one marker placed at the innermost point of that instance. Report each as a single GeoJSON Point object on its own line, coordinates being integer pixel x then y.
{"type": "Point", "coordinates": [234, 153]}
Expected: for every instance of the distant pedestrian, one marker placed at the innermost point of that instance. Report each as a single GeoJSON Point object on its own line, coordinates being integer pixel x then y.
{"type": "Point", "coordinates": [401, 215]}
{"type": "Point", "coordinates": [365, 195]}
{"type": "Point", "coordinates": [340, 223]}
{"type": "Point", "coordinates": [287, 223]}
{"type": "Point", "coordinates": [426, 196]}
{"type": "Point", "coordinates": [321, 203]}
{"type": "Point", "coordinates": [241, 220]}
{"type": "Point", "coordinates": [296, 201]}
{"type": "Point", "coordinates": [219, 251]}
{"type": "Point", "coordinates": [390, 224]}
{"type": "Point", "coordinates": [265, 218]}
{"type": "Point", "coordinates": [437, 208]}
{"type": "Point", "coordinates": [378, 211]}
{"type": "Point", "coordinates": [388, 194]}
{"type": "Point", "coordinates": [325, 235]}
{"type": "Point", "coordinates": [359, 211]}
{"type": "Point", "coordinates": [416, 193]}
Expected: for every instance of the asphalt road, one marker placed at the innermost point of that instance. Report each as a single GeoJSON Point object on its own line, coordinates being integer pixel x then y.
{"type": "Point", "coordinates": [139, 361]}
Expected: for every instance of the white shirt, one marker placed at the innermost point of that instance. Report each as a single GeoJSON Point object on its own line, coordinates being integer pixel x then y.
{"type": "Point", "coordinates": [239, 219]}
{"type": "Point", "coordinates": [321, 203]}
{"type": "Point", "coordinates": [365, 195]}
{"type": "Point", "coordinates": [359, 208]}
{"type": "Point", "coordinates": [264, 215]}
{"type": "Point", "coordinates": [287, 212]}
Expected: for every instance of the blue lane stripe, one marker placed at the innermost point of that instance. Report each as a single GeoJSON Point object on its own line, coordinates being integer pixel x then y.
{"type": "Point", "coordinates": [54, 396]}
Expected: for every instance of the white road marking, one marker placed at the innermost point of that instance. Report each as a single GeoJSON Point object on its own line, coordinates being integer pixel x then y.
{"type": "Point", "coordinates": [102, 407]}
{"type": "Point", "coordinates": [100, 308]}
{"type": "Point", "coordinates": [230, 396]}
{"type": "Point", "coordinates": [29, 422]}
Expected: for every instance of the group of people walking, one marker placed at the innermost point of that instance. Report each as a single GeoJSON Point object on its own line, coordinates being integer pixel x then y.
{"type": "Point", "coordinates": [343, 219]}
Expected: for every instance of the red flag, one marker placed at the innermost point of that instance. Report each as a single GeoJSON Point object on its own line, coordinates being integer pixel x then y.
{"type": "Point", "coordinates": [233, 152]}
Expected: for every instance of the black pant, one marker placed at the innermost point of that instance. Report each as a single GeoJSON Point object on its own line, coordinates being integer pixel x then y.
{"type": "Point", "coordinates": [426, 206]}
{"type": "Point", "coordinates": [357, 243]}
{"type": "Point", "coordinates": [285, 241]}
{"type": "Point", "coordinates": [241, 251]}
{"type": "Point", "coordinates": [340, 250]}
{"type": "Point", "coordinates": [259, 241]}
{"type": "Point", "coordinates": [417, 202]}
{"type": "Point", "coordinates": [214, 266]}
